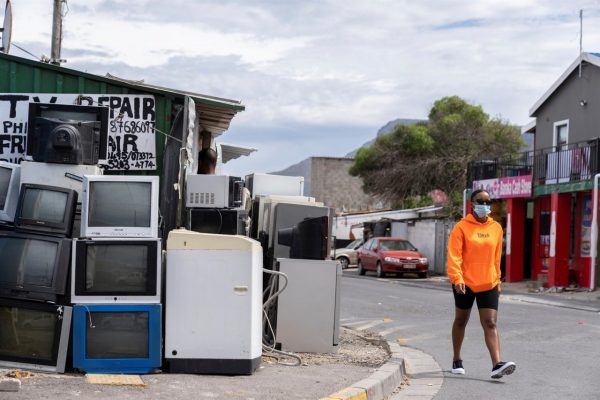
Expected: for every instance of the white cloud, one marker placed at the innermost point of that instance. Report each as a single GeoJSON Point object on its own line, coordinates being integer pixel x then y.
{"type": "Point", "coordinates": [326, 64]}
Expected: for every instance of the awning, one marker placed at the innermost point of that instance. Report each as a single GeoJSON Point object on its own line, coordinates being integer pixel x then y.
{"type": "Point", "coordinates": [230, 152]}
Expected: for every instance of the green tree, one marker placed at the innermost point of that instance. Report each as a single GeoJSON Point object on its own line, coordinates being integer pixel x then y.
{"type": "Point", "coordinates": [406, 164]}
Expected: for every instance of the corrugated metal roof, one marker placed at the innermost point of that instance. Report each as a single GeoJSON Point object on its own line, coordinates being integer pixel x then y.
{"type": "Point", "coordinates": [215, 113]}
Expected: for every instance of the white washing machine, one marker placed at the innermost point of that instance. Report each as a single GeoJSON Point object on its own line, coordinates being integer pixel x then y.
{"type": "Point", "coordinates": [213, 305]}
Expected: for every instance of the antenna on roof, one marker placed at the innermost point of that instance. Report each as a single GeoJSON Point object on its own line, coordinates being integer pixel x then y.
{"type": "Point", "coordinates": [580, 39]}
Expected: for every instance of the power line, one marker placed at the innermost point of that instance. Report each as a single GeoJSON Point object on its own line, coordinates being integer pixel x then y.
{"type": "Point", "coordinates": [26, 51]}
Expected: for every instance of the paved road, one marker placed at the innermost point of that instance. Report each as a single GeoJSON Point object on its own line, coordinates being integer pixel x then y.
{"type": "Point", "coordinates": [556, 349]}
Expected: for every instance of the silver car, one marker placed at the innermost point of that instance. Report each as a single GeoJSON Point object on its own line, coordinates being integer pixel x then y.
{"type": "Point", "coordinates": [347, 255]}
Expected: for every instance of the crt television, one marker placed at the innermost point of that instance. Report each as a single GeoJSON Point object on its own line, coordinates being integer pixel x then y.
{"type": "Point", "coordinates": [117, 338]}
{"type": "Point", "coordinates": [10, 176]}
{"type": "Point", "coordinates": [50, 125]}
{"type": "Point", "coordinates": [308, 239]}
{"type": "Point", "coordinates": [123, 270]}
{"type": "Point", "coordinates": [46, 209]}
{"type": "Point", "coordinates": [34, 267]}
{"type": "Point", "coordinates": [34, 335]}
{"type": "Point", "coordinates": [119, 206]}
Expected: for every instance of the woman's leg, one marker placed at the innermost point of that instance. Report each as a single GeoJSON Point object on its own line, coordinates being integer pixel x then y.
{"type": "Point", "coordinates": [488, 316]}
{"type": "Point", "coordinates": [461, 317]}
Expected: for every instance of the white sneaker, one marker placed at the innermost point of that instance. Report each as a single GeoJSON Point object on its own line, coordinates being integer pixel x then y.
{"type": "Point", "coordinates": [457, 367]}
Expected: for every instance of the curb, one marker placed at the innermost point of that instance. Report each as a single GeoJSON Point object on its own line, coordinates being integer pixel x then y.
{"type": "Point", "coordinates": [380, 383]}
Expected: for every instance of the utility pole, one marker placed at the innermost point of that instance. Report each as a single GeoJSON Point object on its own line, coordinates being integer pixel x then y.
{"type": "Point", "coordinates": [56, 33]}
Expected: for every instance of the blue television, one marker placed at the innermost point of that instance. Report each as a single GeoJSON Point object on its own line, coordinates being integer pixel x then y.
{"type": "Point", "coordinates": [117, 338]}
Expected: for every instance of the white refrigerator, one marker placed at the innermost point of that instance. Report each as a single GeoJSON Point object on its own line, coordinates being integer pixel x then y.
{"type": "Point", "coordinates": [308, 310]}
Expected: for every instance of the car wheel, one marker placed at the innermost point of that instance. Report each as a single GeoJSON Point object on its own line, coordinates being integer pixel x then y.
{"type": "Point", "coordinates": [422, 275]}
{"type": "Point", "coordinates": [361, 270]}
{"type": "Point", "coordinates": [380, 273]}
{"type": "Point", "coordinates": [344, 262]}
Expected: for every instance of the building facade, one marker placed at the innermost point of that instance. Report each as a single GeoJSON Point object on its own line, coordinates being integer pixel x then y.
{"type": "Point", "coordinates": [327, 180]}
{"type": "Point", "coordinates": [547, 198]}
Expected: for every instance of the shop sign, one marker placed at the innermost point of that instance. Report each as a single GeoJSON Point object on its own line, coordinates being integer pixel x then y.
{"type": "Point", "coordinates": [507, 187]}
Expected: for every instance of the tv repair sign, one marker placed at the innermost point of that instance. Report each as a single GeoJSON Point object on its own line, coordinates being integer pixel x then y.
{"type": "Point", "coordinates": [131, 126]}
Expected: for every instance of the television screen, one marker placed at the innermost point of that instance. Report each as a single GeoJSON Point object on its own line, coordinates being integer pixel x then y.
{"type": "Point", "coordinates": [34, 335]}
{"type": "Point", "coordinates": [118, 335]}
{"type": "Point", "coordinates": [34, 267]}
{"type": "Point", "coordinates": [117, 206]}
{"type": "Point", "coordinates": [5, 175]}
{"type": "Point", "coordinates": [117, 338]}
{"type": "Point", "coordinates": [46, 209]}
{"type": "Point", "coordinates": [9, 190]}
{"type": "Point", "coordinates": [120, 204]}
{"type": "Point", "coordinates": [308, 239]}
{"type": "Point", "coordinates": [117, 270]}
{"type": "Point", "coordinates": [69, 113]}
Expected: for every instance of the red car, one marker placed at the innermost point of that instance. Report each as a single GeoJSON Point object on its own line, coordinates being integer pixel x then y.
{"type": "Point", "coordinates": [394, 255]}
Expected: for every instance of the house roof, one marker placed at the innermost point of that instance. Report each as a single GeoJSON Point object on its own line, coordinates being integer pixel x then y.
{"type": "Point", "coordinates": [529, 127]}
{"type": "Point", "coordinates": [592, 58]}
{"type": "Point", "coordinates": [214, 113]}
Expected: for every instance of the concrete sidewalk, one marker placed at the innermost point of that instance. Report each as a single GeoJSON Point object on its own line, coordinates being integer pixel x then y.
{"type": "Point", "coordinates": [354, 372]}
{"type": "Point", "coordinates": [275, 381]}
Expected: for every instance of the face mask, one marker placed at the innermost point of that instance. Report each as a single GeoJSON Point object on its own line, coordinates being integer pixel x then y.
{"type": "Point", "coordinates": [482, 210]}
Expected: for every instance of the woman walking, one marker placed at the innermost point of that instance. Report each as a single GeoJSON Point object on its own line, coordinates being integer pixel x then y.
{"type": "Point", "coordinates": [474, 251]}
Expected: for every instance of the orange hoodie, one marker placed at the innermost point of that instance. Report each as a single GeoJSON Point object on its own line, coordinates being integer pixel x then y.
{"type": "Point", "coordinates": [474, 251]}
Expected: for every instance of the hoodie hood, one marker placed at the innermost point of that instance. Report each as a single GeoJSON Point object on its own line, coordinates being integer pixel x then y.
{"type": "Point", "coordinates": [471, 219]}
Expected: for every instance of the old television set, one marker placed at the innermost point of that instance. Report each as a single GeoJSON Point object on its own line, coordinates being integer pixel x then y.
{"type": "Point", "coordinates": [308, 239]}
{"type": "Point", "coordinates": [119, 270]}
{"type": "Point", "coordinates": [67, 134]}
{"type": "Point", "coordinates": [119, 206]}
{"type": "Point", "coordinates": [34, 336]}
{"type": "Point", "coordinates": [117, 338]}
{"type": "Point", "coordinates": [46, 209]}
{"type": "Point", "coordinates": [34, 267]}
{"type": "Point", "coordinates": [10, 176]}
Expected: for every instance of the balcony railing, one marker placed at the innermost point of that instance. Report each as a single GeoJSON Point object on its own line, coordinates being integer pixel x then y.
{"type": "Point", "coordinates": [552, 165]}
{"type": "Point", "coordinates": [522, 164]}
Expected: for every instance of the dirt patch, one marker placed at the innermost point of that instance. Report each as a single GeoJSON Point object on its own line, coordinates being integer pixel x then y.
{"type": "Point", "coordinates": [363, 349]}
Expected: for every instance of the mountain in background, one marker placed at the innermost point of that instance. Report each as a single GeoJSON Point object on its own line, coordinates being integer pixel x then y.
{"type": "Point", "coordinates": [387, 128]}
{"type": "Point", "coordinates": [303, 168]}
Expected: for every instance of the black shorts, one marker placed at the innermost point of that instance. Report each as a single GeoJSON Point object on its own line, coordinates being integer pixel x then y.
{"type": "Point", "coordinates": [487, 299]}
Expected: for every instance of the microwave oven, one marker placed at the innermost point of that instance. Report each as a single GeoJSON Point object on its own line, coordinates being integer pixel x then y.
{"type": "Point", "coordinates": [213, 191]}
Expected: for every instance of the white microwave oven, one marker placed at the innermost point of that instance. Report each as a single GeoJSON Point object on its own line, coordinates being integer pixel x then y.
{"type": "Point", "coordinates": [213, 191]}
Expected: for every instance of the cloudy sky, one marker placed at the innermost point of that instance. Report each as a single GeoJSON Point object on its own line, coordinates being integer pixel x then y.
{"type": "Point", "coordinates": [318, 78]}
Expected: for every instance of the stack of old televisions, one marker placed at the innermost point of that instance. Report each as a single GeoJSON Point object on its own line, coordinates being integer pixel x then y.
{"type": "Point", "coordinates": [35, 316]}
{"type": "Point", "coordinates": [116, 277]}
{"type": "Point", "coordinates": [38, 202]}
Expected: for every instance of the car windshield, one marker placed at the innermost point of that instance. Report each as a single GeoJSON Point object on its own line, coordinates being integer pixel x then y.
{"type": "Point", "coordinates": [353, 244]}
{"type": "Point", "coordinates": [396, 245]}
